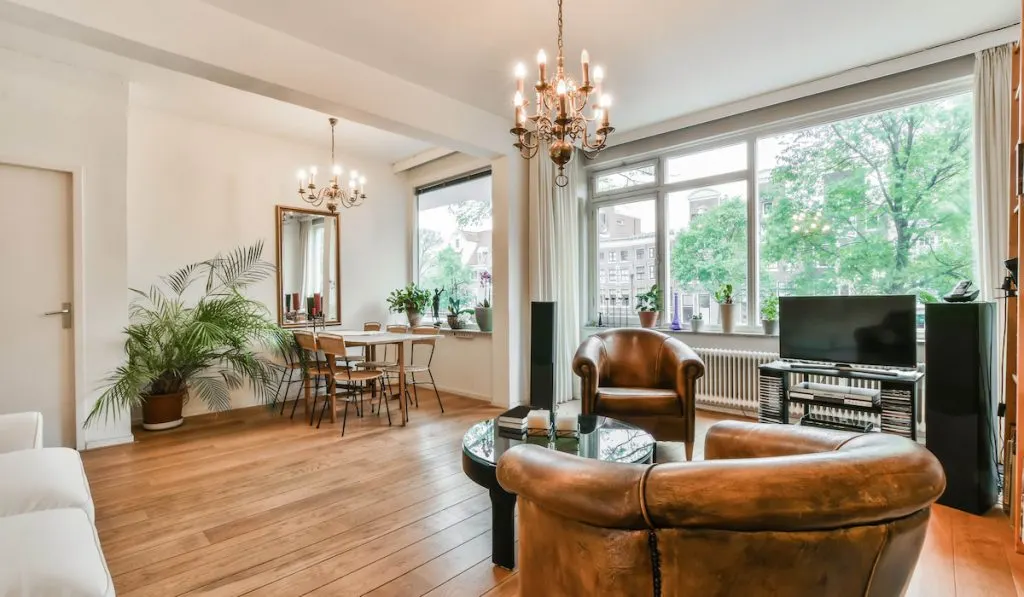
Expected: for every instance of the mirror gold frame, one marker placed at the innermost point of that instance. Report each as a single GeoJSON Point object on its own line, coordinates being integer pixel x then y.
{"type": "Point", "coordinates": [278, 221]}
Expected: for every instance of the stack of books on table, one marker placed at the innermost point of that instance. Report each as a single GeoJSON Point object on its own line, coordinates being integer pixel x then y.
{"type": "Point", "coordinates": [513, 421]}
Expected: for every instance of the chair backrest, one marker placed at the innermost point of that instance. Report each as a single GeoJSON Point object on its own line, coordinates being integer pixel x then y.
{"type": "Point", "coordinates": [804, 511]}
{"type": "Point", "coordinates": [371, 326]}
{"type": "Point", "coordinates": [333, 347]}
{"type": "Point", "coordinates": [398, 329]}
{"type": "Point", "coordinates": [430, 334]}
{"type": "Point", "coordinates": [306, 341]}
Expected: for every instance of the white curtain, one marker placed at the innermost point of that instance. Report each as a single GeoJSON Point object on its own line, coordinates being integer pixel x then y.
{"type": "Point", "coordinates": [326, 275]}
{"type": "Point", "coordinates": [555, 258]}
{"type": "Point", "coordinates": [992, 149]}
{"type": "Point", "coordinates": [304, 240]}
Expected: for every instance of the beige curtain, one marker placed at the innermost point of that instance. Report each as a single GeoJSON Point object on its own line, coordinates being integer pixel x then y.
{"type": "Point", "coordinates": [992, 89]}
{"type": "Point", "coordinates": [555, 258]}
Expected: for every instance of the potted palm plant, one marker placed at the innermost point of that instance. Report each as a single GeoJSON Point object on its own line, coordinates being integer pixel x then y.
{"type": "Point", "coordinates": [648, 306]}
{"type": "Point", "coordinates": [483, 313]}
{"type": "Point", "coordinates": [724, 298]}
{"type": "Point", "coordinates": [179, 347]}
{"type": "Point", "coordinates": [770, 315]}
{"type": "Point", "coordinates": [411, 300]}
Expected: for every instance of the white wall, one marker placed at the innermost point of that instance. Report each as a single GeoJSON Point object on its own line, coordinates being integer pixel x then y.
{"type": "Point", "coordinates": [197, 188]}
{"type": "Point", "coordinates": [58, 117]}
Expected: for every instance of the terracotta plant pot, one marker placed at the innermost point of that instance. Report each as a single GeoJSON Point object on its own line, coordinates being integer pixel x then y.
{"type": "Point", "coordinates": [771, 326]}
{"type": "Point", "coordinates": [727, 317]}
{"type": "Point", "coordinates": [648, 319]}
{"type": "Point", "coordinates": [162, 411]}
{"type": "Point", "coordinates": [484, 321]}
{"type": "Point", "coordinates": [414, 317]}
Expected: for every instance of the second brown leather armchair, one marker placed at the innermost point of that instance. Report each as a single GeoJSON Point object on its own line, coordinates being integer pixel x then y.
{"type": "Point", "coordinates": [775, 510]}
{"type": "Point", "coordinates": [642, 377]}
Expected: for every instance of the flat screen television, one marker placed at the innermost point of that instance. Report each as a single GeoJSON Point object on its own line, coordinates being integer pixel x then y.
{"type": "Point", "coordinates": [861, 330]}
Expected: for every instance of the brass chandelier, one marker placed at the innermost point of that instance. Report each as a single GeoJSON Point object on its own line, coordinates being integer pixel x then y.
{"type": "Point", "coordinates": [559, 119]}
{"type": "Point", "coordinates": [333, 194]}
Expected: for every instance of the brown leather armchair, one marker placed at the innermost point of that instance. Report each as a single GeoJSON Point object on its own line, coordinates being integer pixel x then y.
{"type": "Point", "coordinates": [642, 377]}
{"type": "Point", "coordinates": [775, 510]}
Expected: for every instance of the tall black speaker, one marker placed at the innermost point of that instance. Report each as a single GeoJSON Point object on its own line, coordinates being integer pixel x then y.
{"type": "Point", "coordinates": [960, 413]}
{"type": "Point", "coordinates": [542, 354]}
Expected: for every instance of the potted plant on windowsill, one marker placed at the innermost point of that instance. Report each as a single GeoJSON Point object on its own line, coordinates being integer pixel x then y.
{"type": "Point", "coordinates": [696, 322]}
{"type": "Point", "coordinates": [178, 349]}
{"type": "Point", "coordinates": [770, 315]}
{"type": "Point", "coordinates": [411, 300]}
{"type": "Point", "coordinates": [648, 306]}
{"type": "Point", "coordinates": [455, 308]}
{"type": "Point", "coordinates": [484, 319]}
{"type": "Point", "coordinates": [724, 298]}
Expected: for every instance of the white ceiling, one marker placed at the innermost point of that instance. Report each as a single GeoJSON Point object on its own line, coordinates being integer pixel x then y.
{"type": "Point", "coordinates": [200, 99]}
{"type": "Point", "coordinates": [664, 58]}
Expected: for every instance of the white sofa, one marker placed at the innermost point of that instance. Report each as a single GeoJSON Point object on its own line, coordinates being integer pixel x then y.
{"type": "Point", "coordinates": [48, 541]}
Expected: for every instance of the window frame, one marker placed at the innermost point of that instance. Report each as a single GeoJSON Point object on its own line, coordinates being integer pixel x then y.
{"type": "Point", "coordinates": [751, 135]}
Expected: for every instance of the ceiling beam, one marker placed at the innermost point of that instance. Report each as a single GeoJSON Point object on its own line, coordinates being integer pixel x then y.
{"type": "Point", "coordinates": [198, 39]}
{"type": "Point", "coordinates": [421, 158]}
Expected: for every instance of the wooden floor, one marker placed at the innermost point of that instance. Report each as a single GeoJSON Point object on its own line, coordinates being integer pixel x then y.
{"type": "Point", "coordinates": [250, 503]}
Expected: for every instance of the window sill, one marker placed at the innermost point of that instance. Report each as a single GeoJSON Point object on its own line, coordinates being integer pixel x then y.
{"type": "Point", "coordinates": [709, 331]}
{"type": "Point", "coordinates": [464, 331]}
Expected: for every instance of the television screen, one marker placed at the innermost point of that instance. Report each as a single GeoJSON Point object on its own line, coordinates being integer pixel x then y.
{"type": "Point", "coordinates": [863, 330]}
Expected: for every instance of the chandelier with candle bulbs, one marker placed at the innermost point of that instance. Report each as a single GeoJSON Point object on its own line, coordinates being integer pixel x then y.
{"type": "Point", "coordinates": [559, 118]}
{"type": "Point", "coordinates": [334, 193]}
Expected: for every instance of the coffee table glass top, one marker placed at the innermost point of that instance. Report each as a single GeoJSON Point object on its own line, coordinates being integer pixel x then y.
{"type": "Point", "coordinates": [600, 437]}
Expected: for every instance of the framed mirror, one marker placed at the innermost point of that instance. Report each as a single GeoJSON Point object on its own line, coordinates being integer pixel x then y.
{"type": "Point", "coordinates": [308, 267]}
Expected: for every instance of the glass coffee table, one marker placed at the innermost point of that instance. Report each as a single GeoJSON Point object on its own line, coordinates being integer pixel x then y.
{"type": "Point", "coordinates": [602, 438]}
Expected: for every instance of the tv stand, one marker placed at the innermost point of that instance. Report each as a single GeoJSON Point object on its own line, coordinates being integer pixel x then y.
{"type": "Point", "coordinates": [896, 409]}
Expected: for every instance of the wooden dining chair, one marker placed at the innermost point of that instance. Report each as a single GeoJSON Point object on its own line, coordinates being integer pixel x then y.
{"type": "Point", "coordinates": [344, 382]}
{"type": "Point", "coordinates": [314, 368]}
{"type": "Point", "coordinates": [291, 373]}
{"type": "Point", "coordinates": [419, 365]}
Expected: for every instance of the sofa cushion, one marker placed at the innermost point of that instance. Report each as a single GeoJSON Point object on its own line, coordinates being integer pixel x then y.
{"type": "Point", "coordinates": [54, 553]}
{"type": "Point", "coordinates": [21, 431]}
{"type": "Point", "coordinates": [649, 401]}
{"type": "Point", "coordinates": [44, 479]}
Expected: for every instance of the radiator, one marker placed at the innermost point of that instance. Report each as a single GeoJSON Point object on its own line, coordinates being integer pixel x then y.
{"type": "Point", "coordinates": [730, 380]}
{"type": "Point", "coordinates": [730, 384]}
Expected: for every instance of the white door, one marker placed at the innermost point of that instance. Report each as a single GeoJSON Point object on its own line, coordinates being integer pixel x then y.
{"type": "Point", "coordinates": [37, 350]}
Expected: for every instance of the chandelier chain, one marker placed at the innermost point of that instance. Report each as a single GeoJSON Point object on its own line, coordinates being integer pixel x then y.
{"type": "Point", "coordinates": [559, 27]}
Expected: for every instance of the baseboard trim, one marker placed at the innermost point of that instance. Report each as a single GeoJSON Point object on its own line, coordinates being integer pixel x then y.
{"type": "Point", "coordinates": [464, 394]}
{"type": "Point", "coordinates": [113, 441]}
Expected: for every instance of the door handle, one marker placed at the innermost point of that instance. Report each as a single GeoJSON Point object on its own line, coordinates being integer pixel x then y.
{"type": "Point", "coordinates": [65, 313]}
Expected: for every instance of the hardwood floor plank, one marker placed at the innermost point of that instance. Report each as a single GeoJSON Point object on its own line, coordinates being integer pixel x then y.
{"type": "Point", "coordinates": [477, 580]}
{"type": "Point", "coordinates": [438, 571]}
{"type": "Point", "coordinates": [250, 503]}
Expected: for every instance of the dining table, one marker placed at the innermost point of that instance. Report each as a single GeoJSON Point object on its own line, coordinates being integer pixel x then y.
{"type": "Point", "coordinates": [370, 339]}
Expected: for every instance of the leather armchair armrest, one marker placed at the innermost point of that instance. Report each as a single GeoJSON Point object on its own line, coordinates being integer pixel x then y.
{"type": "Point", "coordinates": [738, 439]}
{"type": "Point", "coordinates": [587, 365]}
{"type": "Point", "coordinates": [598, 493]}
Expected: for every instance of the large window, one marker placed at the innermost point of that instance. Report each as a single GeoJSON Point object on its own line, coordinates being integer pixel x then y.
{"type": "Point", "coordinates": [879, 203]}
{"type": "Point", "coordinates": [454, 236]}
{"type": "Point", "coordinates": [624, 230]}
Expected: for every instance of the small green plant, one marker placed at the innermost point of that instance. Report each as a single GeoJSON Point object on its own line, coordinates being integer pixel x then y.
{"type": "Point", "coordinates": [456, 300]}
{"type": "Point", "coordinates": [649, 301]}
{"type": "Point", "coordinates": [696, 317]}
{"type": "Point", "coordinates": [770, 308]}
{"type": "Point", "coordinates": [410, 298]}
{"type": "Point", "coordinates": [724, 294]}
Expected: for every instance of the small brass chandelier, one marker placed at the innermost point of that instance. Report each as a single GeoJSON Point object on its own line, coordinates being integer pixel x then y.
{"type": "Point", "coordinates": [560, 120]}
{"type": "Point", "coordinates": [333, 194]}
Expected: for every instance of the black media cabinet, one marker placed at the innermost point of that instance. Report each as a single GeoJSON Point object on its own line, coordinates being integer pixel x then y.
{"type": "Point", "coordinates": [897, 407]}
